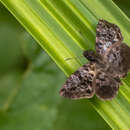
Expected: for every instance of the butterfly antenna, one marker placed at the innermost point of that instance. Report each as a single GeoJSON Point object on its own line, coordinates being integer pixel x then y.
{"type": "Point", "coordinates": [73, 58]}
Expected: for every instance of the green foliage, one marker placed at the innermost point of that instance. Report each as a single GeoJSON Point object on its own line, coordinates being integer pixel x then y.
{"type": "Point", "coordinates": [64, 28]}
{"type": "Point", "coordinates": [124, 5]}
{"type": "Point", "coordinates": [30, 84]}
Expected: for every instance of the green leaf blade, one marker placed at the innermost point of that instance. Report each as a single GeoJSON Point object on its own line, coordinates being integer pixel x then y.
{"type": "Point", "coordinates": [58, 26]}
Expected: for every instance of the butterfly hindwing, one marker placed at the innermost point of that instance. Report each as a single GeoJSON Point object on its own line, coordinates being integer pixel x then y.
{"type": "Point", "coordinates": [80, 83]}
{"type": "Point", "coordinates": [106, 86]}
{"type": "Point", "coordinates": [106, 35]}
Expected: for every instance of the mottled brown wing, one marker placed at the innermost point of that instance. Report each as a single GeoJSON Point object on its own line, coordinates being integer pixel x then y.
{"type": "Point", "coordinates": [106, 35]}
{"type": "Point", "coordinates": [118, 59]}
{"type": "Point", "coordinates": [80, 84]}
{"type": "Point", "coordinates": [106, 86]}
{"type": "Point", "coordinates": [125, 53]}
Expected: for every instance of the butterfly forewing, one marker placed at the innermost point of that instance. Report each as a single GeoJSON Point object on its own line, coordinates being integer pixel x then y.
{"type": "Point", "coordinates": [80, 84]}
{"type": "Point", "coordinates": [106, 35]}
{"type": "Point", "coordinates": [109, 45]}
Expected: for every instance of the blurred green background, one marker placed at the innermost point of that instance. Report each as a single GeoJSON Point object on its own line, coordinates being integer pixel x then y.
{"type": "Point", "coordinates": [30, 82]}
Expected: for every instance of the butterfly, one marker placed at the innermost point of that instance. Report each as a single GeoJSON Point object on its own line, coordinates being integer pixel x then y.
{"type": "Point", "coordinates": [101, 75]}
